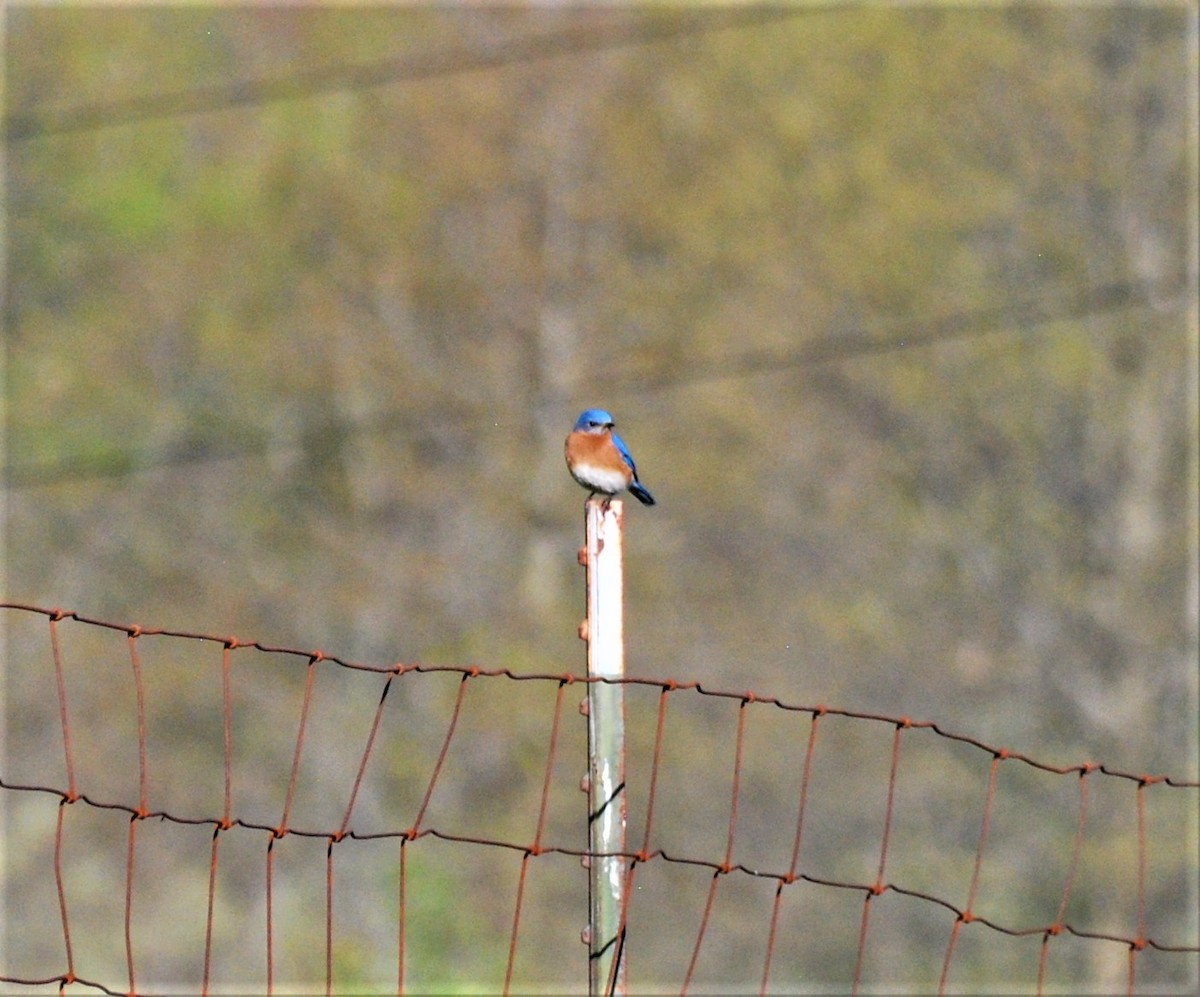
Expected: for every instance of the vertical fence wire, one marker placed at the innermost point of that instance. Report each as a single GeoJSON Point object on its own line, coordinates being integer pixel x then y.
{"type": "Point", "coordinates": [1054, 930]}
{"type": "Point", "coordinates": [790, 878]}
{"type": "Point", "coordinates": [208, 921]}
{"type": "Point", "coordinates": [140, 699]}
{"type": "Point", "coordinates": [129, 859]}
{"type": "Point", "coordinates": [403, 915]}
{"type": "Point", "coordinates": [1139, 942]}
{"type": "Point", "coordinates": [968, 912]}
{"type": "Point", "coordinates": [271, 839]}
{"type": "Point", "coordinates": [877, 888]}
{"type": "Point", "coordinates": [64, 719]}
{"type": "Point", "coordinates": [643, 854]}
{"type": "Point", "coordinates": [62, 892]}
{"type": "Point", "coordinates": [535, 848]}
{"type": "Point", "coordinates": [227, 811]}
{"type": "Point", "coordinates": [727, 865]}
{"type": "Point", "coordinates": [329, 916]}
{"type": "Point", "coordinates": [71, 793]}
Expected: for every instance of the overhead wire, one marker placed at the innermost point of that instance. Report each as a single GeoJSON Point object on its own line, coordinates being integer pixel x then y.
{"type": "Point", "coordinates": [1021, 317]}
{"type": "Point", "coordinates": [411, 66]}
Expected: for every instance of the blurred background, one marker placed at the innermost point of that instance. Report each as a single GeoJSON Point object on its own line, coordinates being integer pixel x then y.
{"type": "Point", "coordinates": [894, 306]}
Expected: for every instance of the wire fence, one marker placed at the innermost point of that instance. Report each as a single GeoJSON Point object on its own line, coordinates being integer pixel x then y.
{"type": "Point", "coordinates": [211, 814]}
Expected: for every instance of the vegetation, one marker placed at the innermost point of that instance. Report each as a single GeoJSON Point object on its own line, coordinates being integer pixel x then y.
{"type": "Point", "coordinates": [890, 304]}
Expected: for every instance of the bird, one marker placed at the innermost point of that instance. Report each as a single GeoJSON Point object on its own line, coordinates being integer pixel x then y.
{"type": "Point", "coordinates": [599, 460]}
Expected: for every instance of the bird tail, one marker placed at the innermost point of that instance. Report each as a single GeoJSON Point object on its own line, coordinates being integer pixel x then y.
{"type": "Point", "coordinates": [640, 493]}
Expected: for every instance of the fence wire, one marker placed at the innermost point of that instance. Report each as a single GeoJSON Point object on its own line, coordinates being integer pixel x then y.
{"type": "Point", "coordinates": [750, 870]}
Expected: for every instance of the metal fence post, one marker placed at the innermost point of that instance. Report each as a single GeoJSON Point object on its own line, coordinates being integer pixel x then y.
{"type": "Point", "coordinates": [604, 632]}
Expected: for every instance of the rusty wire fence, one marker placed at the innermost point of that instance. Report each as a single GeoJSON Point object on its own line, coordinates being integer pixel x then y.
{"type": "Point", "coordinates": [197, 813]}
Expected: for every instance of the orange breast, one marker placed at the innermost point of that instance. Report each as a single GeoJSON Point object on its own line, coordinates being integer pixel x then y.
{"type": "Point", "coordinates": [596, 463]}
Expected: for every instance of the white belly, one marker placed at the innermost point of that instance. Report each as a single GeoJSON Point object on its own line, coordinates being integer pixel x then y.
{"type": "Point", "coordinates": [599, 478]}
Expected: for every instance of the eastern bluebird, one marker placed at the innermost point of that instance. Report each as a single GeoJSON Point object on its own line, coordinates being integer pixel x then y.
{"type": "Point", "coordinates": [599, 460]}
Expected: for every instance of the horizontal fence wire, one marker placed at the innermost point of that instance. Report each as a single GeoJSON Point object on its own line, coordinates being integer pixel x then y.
{"type": "Point", "coordinates": [779, 824]}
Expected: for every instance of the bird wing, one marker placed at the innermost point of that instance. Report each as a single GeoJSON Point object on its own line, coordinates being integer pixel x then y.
{"type": "Point", "coordinates": [625, 454]}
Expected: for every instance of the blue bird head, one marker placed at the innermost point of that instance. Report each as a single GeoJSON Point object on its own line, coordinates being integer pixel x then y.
{"type": "Point", "coordinates": [594, 420]}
